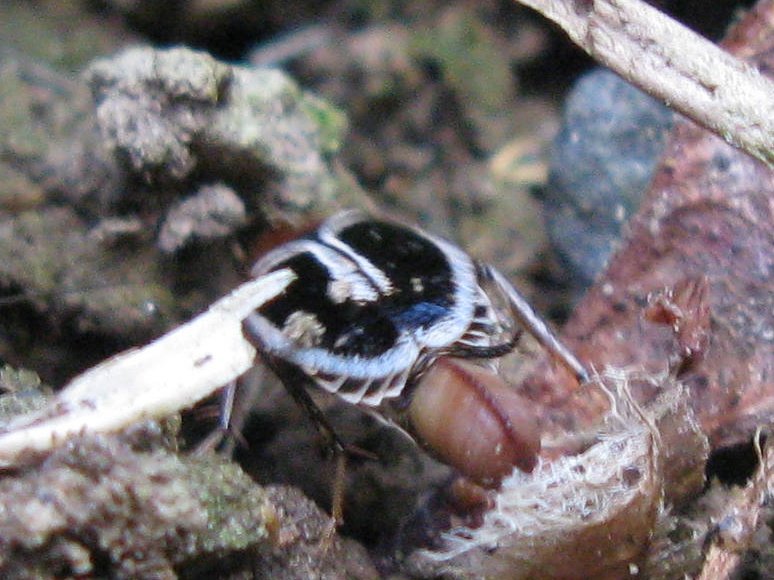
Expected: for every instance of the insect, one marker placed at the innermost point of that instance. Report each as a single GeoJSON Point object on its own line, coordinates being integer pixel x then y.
{"type": "Point", "coordinates": [375, 305]}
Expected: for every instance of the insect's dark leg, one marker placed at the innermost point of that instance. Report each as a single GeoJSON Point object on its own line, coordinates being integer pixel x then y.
{"type": "Point", "coordinates": [494, 351]}
{"type": "Point", "coordinates": [220, 434]}
{"type": "Point", "coordinates": [296, 383]}
{"type": "Point", "coordinates": [223, 436]}
{"type": "Point", "coordinates": [532, 322]}
{"type": "Point", "coordinates": [227, 396]}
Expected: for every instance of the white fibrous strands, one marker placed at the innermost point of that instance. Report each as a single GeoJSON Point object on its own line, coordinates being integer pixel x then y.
{"type": "Point", "coordinates": [608, 497]}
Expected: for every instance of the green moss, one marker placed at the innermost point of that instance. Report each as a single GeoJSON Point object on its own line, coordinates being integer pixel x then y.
{"type": "Point", "coordinates": [331, 122]}
{"type": "Point", "coordinates": [470, 60]}
{"type": "Point", "coordinates": [24, 392]}
{"type": "Point", "coordinates": [238, 513]}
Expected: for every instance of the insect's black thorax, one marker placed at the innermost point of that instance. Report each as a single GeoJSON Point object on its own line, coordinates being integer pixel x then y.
{"type": "Point", "coordinates": [355, 311]}
{"type": "Point", "coordinates": [372, 305]}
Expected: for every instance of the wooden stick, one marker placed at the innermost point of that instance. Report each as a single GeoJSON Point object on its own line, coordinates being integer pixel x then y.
{"type": "Point", "coordinates": [170, 374]}
{"type": "Point", "coordinates": [667, 60]}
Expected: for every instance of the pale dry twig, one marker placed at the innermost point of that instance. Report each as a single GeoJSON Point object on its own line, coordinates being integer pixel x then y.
{"type": "Point", "coordinates": [170, 374]}
{"type": "Point", "coordinates": [667, 60]}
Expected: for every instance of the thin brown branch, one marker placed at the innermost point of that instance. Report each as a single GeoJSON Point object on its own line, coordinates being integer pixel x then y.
{"type": "Point", "coordinates": [689, 73]}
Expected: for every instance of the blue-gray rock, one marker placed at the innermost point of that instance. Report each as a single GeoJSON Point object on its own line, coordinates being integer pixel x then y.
{"type": "Point", "coordinates": [602, 161]}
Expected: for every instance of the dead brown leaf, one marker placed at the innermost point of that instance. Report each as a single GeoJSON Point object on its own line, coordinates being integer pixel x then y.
{"type": "Point", "coordinates": [705, 222]}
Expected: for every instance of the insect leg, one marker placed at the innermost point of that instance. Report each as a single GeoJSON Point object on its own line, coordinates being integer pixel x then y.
{"type": "Point", "coordinates": [230, 421]}
{"type": "Point", "coordinates": [493, 351]}
{"type": "Point", "coordinates": [227, 396]}
{"type": "Point", "coordinates": [296, 382]}
{"type": "Point", "coordinates": [533, 323]}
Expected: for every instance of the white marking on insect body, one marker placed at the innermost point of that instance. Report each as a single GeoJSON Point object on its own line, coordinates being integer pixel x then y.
{"type": "Point", "coordinates": [303, 328]}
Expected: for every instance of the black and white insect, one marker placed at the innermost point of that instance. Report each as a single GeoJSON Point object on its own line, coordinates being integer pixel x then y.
{"type": "Point", "coordinates": [374, 303]}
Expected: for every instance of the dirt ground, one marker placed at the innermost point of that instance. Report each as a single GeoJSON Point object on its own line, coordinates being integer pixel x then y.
{"type": "Point", "coordinates": [151, 151]}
